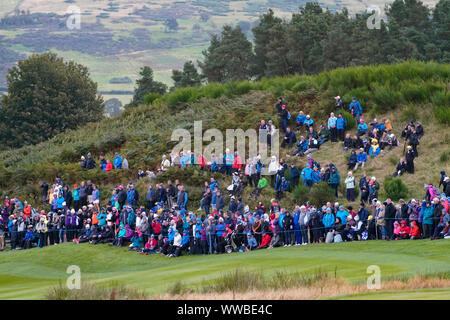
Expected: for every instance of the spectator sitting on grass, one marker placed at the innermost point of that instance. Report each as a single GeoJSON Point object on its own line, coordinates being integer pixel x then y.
{"type": "Point", "coordinates": [300, 120]}
{"type": "Point", "coordinates": [323, 134]}
{"type": "Point", "coordinates": [362, 128]}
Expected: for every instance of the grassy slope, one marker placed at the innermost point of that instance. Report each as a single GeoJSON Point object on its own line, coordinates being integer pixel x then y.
{"type": "Point", "coordinates": [144, 137]}
{"type": "Point", "coordinates": [28, 274]}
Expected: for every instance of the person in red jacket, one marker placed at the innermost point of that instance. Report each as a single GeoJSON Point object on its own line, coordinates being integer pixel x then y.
{"type": "Point", "coordinates": [109, 166]}
{"type": "Point", "coordinates": [237, 163]}
{"type": "Point", "coordinates": [415, 231]}
{"type": "Point", "coordinates": [201, 160]}
{"type": "Point", "coordinates": [404, 232]}
{"type": "Point", "coordinates": [265, 241]}
{"type": "Point", "coordinates": [156, 226]}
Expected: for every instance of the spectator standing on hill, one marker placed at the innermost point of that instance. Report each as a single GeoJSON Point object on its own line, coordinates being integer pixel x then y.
{"type": "Point", "coordinates": [83, 162]}
{"type": "Point", "coordinates": [409, 167]}
{"type": "Point", "coordinates": [341, 124]}
{"type": "Point", "coordinates": [294, 175]}
{"type": "Point", "coordinates": [284, 118]}
{"type": "Point", "coordinates": [279, 105]}
{"type": "Point", "coordinates": [334, 180]}
{"type": "Point", "coordinates": [117, 161]}
{"type": "Point", "coordinates": [124, 163]}
{"type": "Point", "coordinates": [44, 187]}
{"type": "Point", "coordinates": [332, 127]}
{"type": "Point", "coordinates": [103, 163]}
{"type": "Point", "coordinates": [355, 108]}
{"type": "Point", "coordinates": [350, 186]}
{"type": "Point", "coordinates": [338, 104]}
{"type": "Point", "coordinates": [90, 162]}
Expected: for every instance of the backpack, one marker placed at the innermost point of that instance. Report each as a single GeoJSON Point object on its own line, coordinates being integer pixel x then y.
{"type": "Point", "coordinates": [337, 238]}
{"type": "Point", "coordinates": [288, 115]}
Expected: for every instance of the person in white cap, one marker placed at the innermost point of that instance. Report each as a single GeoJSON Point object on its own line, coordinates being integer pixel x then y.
{"type": "Point", "coordinates": [165, 163]}
{"type": "Point", "coordinates": [338, 104]}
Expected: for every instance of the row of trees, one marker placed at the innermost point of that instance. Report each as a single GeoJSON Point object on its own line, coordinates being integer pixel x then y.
{"type": "Point", "coordinates": [315, 40]}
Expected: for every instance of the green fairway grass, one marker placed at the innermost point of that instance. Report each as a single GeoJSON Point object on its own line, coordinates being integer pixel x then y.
{"type": "Point", "coordinates": [29, 274]}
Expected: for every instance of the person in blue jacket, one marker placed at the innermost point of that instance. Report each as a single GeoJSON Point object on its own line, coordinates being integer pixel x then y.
{"type": "Point", "coordinates": [60, 201]}
{"type": "Point", "coordinates": [220, 230]}
{"type": "Point", "coordinates": [228, 159]}
{"type": "Point", "coordinates": [361, 159]}
{"type": "Point", "coordinates": [341, 124]}
{"type": "Point", "coordinates": [302, 146]}
{"type": "Point", "coordinates": [214, 163]}
{"type": "Point", "coordinates": [213, 184]}
{"type": "Point", "coordinates": [117, 161]}
{"type": "Point", "coordinates": [297, 233]}
{"type": "Point", "coordinates": [328, 219]}
{"type": "Point", "coordinates": [355, 108]}
{"type": "Point", "coordinates": [315, 175]}
{"type": "Point", "coordinates": [300, 120]}
{"type": "Point", "coordinates": [342, 214]}
{"type": "Point", "coordinates": [307, 176]}
{"type": "Point", "coordinates": [308, 122]}
{"type": "Point", "coordinates": [362, 128]}
{"type": "Point", "coordinates": [251, 241]}
{"type": "Point", "coordinates": [282, 187]}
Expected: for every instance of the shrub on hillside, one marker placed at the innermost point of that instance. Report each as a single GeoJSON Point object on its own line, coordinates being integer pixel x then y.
{"type": "Point", "coordinates": [351, 121]}
{"type": "Point", "coordinates": [150, 98]}
{"type": "Point", "coordinates": [442, 114]}
{"type": "Point", "coordinates": [234, 88]}
{"type": "Point", "coordinates": [395, 188]}
{"type": "Point", "coordinates": [300, 193]}
{"type": "Point", "coordinates": [385, 96]}
{"type": "Point", "coordinates": [321, 193]}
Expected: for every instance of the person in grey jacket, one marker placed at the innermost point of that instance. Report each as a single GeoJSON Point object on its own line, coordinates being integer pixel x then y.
{"type": "Point", "coordinates": [220, 202]}
{"type": "Point", "coordinates": [303, 221]}
{"type": "Point", "coordinates": [211, 235]}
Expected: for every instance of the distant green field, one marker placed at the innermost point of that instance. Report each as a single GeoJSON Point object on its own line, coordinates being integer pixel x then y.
{"type": "Point", "coordinates": [29, 274]}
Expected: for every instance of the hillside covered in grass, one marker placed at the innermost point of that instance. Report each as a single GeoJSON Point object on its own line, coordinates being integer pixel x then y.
{"type": "Point", "coordinates": [401, 92]}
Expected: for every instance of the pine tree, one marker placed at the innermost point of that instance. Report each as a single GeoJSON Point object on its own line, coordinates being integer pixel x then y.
{"type": "Point", "coordinates": [145, 85]}
{"type": "Point", "coordinates": [262, 39]}
{"type": "Point", "coordinates": [188, 77]}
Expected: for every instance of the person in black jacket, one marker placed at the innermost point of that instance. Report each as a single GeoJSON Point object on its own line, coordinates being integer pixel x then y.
{"type": "Point", "coordinates": [161, 194]}
{"type": "Point", "coordinates": [447, 185]}
{"type": "Point", "coordinates": [352, 160]}
{"type": "Point", "coordinates": [288, 229]}
{"type": "Point", "coordinates": [67, 195]}
{"type": "Point", "coordinates": [121, 196]}
{"type": "Point", "coordinates": [279, 105]}
{"type": "Point", "coordinates": [401, 168]}
{"type": "Point", "coordinates": [357, 142]}
{"type": "Point", "coordinates": [441, 182]}
{"type": "Point", "coordinates": [44, 187]}
{"type": "Point", "coordinates": [289, 138]}
{"type": "Point", "coordinates": [413, 141]}
{"type": "Point", "coordinates": [284, 118]}
{"type": "Point", "coordinates": [389, 216]}
{"type": "Point", "coordinates": [171, 193]}
{"type": "Point", "coordinates": [90, 162]}
{"type": "Point", "coordinates": [419, 130]}
{"type": "Point", "coordinates": [409, 167]}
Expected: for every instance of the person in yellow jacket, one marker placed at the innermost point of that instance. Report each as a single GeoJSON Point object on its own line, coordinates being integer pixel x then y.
{"type": "Point", "coordinates": [374, 148]}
